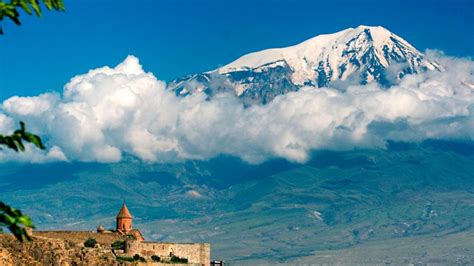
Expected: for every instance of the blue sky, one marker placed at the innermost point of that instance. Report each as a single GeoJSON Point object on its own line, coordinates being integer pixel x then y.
{"type": "Point", "coordinates": [175, 38]}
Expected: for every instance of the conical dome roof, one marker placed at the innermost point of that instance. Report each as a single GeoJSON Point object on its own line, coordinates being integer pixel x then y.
{"type": "Point", "coordinates": [124, 212]}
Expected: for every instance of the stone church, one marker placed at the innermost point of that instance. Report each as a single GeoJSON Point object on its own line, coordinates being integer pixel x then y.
{"type": "Point", "coordinates": [124, 225]}
{"type": "Point", "coordinates": [135, 243]}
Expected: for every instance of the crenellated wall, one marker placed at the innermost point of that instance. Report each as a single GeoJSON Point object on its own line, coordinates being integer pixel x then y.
{"type": "Point", "coordinates": [196, 253]}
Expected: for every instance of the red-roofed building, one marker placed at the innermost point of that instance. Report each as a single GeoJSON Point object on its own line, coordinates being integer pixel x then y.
{"type": "Point", "coordinates": [124, 220]}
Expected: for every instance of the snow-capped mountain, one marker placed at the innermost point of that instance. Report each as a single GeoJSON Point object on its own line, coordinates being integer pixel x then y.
{"type": "Point", "coordinates": [352, 56]}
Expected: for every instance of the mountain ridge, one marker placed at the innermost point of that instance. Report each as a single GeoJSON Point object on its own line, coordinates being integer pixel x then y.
{"type": "Point", "coordinates": [354, 56]}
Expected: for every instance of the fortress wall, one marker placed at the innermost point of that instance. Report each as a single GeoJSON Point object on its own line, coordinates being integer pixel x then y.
{"type": "Point", "coordinates": [79, 237]}
{"type": "Point", "coordinates": [196, 253]}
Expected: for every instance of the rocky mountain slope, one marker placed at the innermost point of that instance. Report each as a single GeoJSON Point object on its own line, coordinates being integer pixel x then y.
{"type": "Point", "coordinates": [352, 56]}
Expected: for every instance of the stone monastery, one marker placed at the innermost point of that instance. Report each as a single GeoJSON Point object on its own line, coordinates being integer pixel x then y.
{"type": "Point", "coordinates": [134, 242]}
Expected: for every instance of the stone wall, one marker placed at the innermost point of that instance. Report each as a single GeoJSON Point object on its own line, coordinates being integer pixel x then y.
{"type": "Point", "coordinates": [79, 237]}
{"type": "Point", "coordinates": [196, 253]}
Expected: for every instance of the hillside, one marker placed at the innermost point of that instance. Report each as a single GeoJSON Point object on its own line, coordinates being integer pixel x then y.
{"type": "Point", "coordinates": [455, 248]}
{"type": "Point", "coordinates": [338, 201]}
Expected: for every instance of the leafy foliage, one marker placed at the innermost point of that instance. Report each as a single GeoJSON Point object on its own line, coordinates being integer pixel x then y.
{"type": "Point", "coordinates": [156, 258]}
{"type": "Point", "coordinates": [10, 10]}
{"type": "Point", "coordinates": [135, 258]}
{"type": "Point", "coordinates": [125, 258]}
{"type": "Point", "coordinates": [90, 242]}
{"type": "Point", "coordinates": [15, 141]}
{"type": "Point", "coordinates": [176, 259]}
{"type": "Point", "coordinates": [119, 244]}
{"type": "Point", "coordinates": [15, 221]}
{"type": "Point", "coordinates": [9, 217]}
{"type": "Point", "coordinates": [139, 258]}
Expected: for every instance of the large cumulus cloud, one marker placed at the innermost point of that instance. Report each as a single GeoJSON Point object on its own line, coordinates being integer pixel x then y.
{"type": "Point", "coordinates": [112, 113]}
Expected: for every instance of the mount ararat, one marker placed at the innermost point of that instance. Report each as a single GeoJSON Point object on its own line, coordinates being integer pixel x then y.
{"type": "Point", "coordinates": [349, 57]}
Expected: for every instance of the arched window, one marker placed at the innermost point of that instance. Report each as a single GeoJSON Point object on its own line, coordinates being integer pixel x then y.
{"type": "Point", "coordinates": [123, 226]}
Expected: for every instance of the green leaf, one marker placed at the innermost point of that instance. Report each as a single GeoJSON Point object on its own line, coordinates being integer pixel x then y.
{"type": "Point", "coordinates": [10, 11]}
{"type": "Point", "coordinates": [15, 141]}
{"type": "Point", "coordinates": [36, 7]}
{"type": "Point", "coordinates": [22, 126]}
{"type": "Point", "coordinates": [49, 4]}
{"type": "Point", "coordinates": [35, 140]}
{"type": "Point", "coordinates": [15, 221]}
{"type": "Point", "coordinates": [18, 143]}
{"type": "Point", "coordinates": [25, 7]}
{"type": "Point", "coordinates": [10, 143]}
{"type": "Point", "coordinates": [25, 220]}
{"type": "Point", "coordinates": [13, 14]}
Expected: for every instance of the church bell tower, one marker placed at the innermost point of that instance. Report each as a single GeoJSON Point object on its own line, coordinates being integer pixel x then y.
{"type": "Point", "coordinates": [124, 220]}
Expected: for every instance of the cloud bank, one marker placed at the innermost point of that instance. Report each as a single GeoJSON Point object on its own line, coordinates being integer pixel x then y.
{"type": "Point", "coordinates": [112, 113]}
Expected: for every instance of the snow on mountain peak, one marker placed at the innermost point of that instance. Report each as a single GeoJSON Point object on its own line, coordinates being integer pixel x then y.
{"type": "Point", "coordinates": [352, 56]}
{"type": "Point", "coordinates": [336, 52]}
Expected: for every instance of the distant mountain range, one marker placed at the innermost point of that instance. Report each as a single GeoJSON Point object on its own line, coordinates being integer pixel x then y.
{"type": "Point", "coordinates": [407, 204]}
{"type": "Point", "coordinates": [352, 56]}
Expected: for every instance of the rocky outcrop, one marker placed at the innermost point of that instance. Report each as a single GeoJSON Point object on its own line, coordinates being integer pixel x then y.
{"type": "Point", "coordinates": [49, 251]}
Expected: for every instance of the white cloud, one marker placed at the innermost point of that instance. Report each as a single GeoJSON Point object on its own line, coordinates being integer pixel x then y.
{"type": "Point", "coordinates": [110, 112]}
{"type": "Point", "coordinates": [31, 106]}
